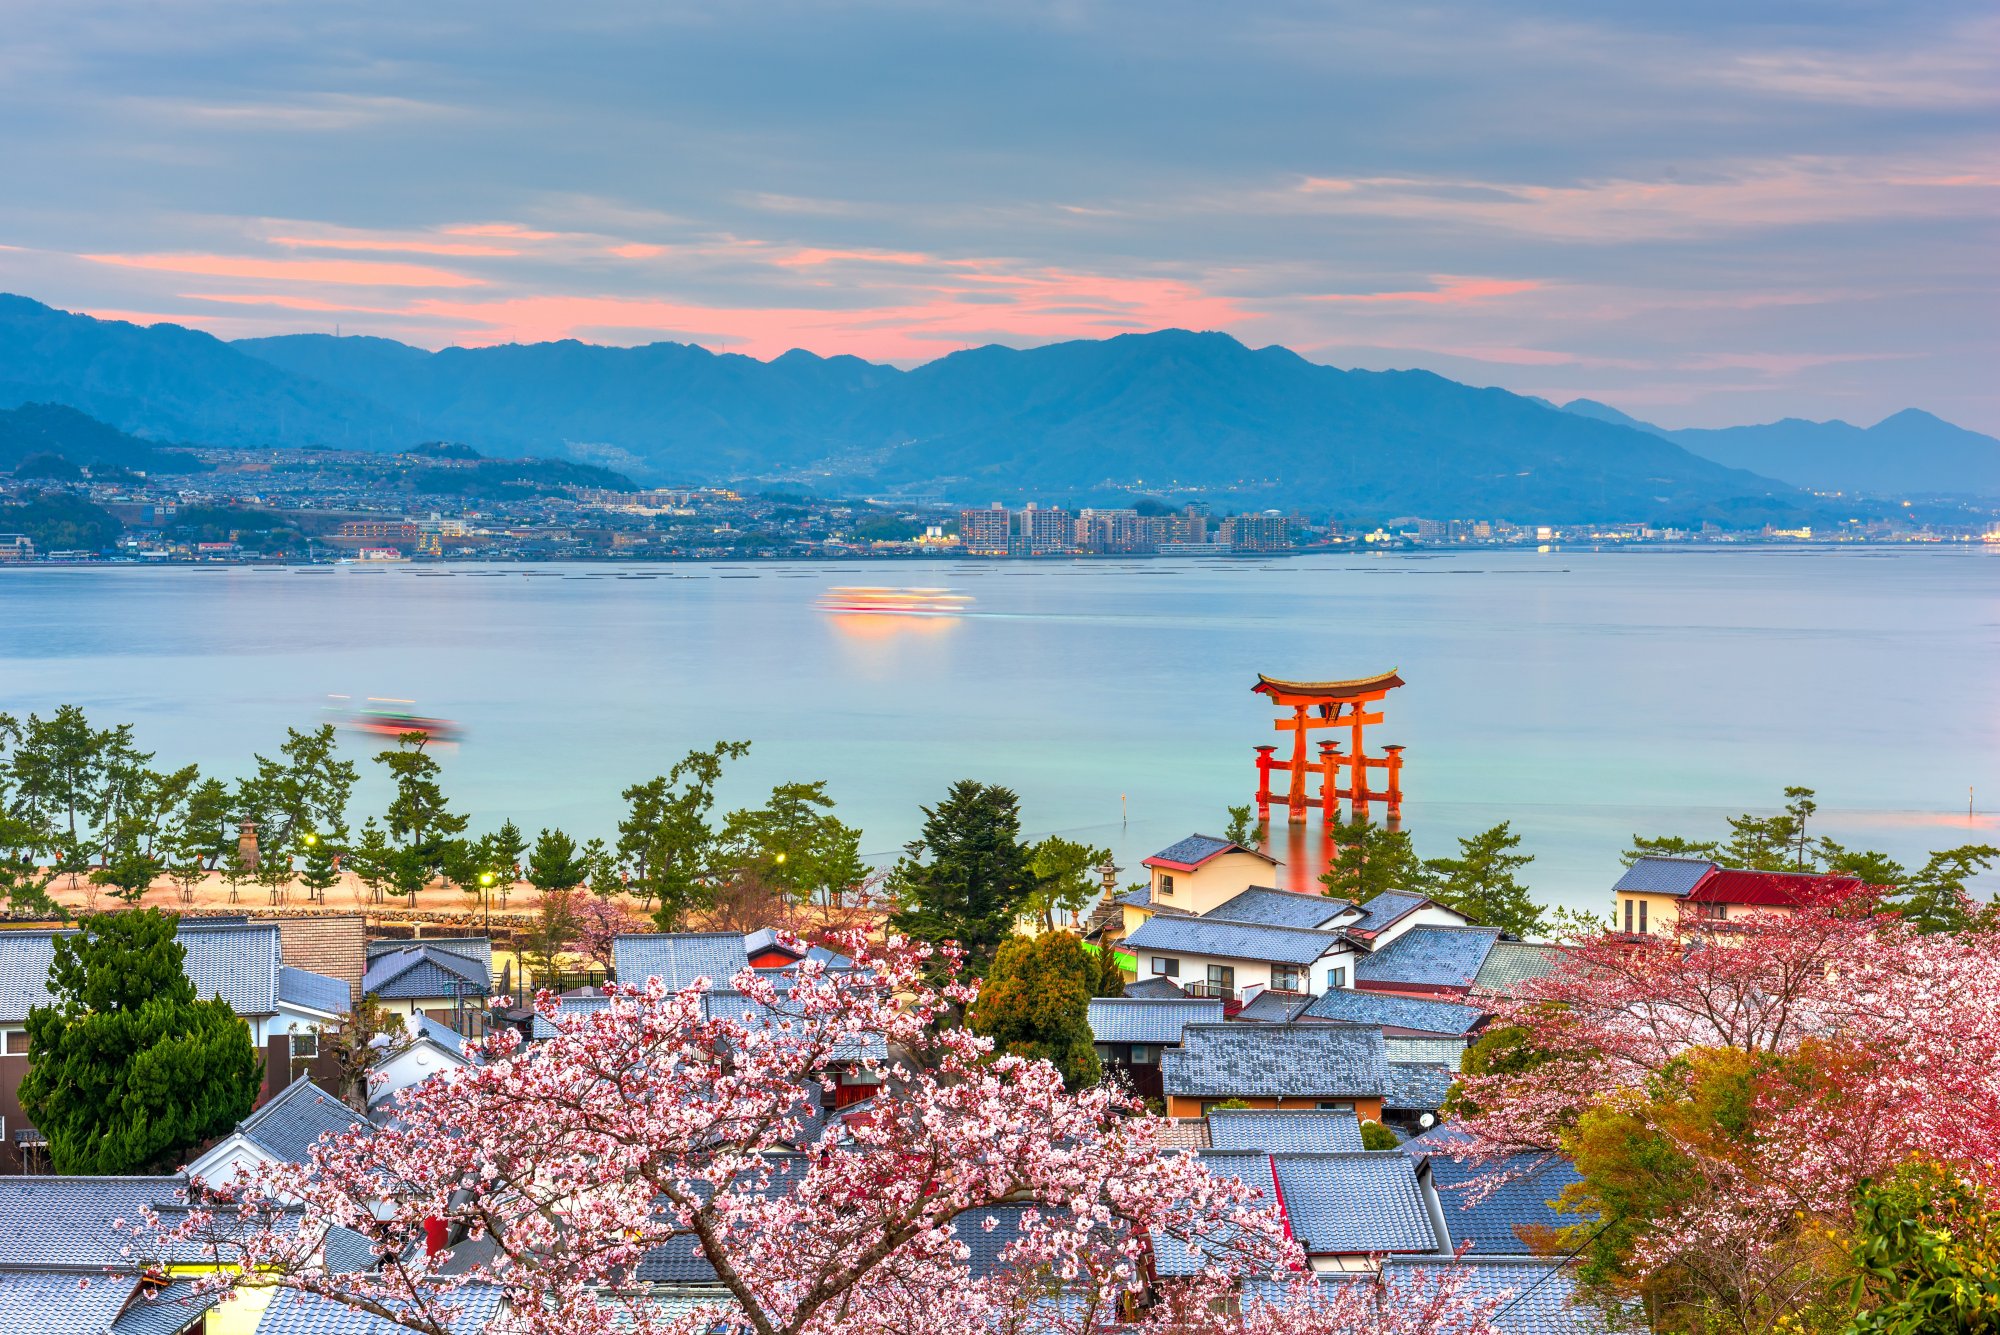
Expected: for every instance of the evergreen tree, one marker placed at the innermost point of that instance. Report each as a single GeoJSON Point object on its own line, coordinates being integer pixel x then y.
{"type": "Point", "coordinates": [556, 863]}
{"type": "Point", "coordinates": [1369, 860]}
{"type": "Point", "coordinates": [1670, 846]}
{"type": "Point", "coordinates": [795, 844]}
{"type": "Point", "coordinates": [128, 1068]}
{"type": "Point", "coordinates": [419, 819]}
{"type": "Point", "coordinates": [1480, 882]}
{"type": "Point", "coordinates": [967, 875]}
{"type": "Point", "coordinates": [508, 847]}
{"type": "Point", "coordinates": [1241, 828]}
{"type": "Point", "coordinates": [1935, 898]}
{"type": "Point", "coordinates": [666, 837]}
{"type": "Point", "coordinates": [306, 789]}
{"type": "Point", "coordinates": [369, 857]}
{"type": "Point", "coordinates": [319, 873]}
{"type": "Point", "coordinates": [1064, 880]}
{"type": "Point", "coordinates": [1035, 1002]}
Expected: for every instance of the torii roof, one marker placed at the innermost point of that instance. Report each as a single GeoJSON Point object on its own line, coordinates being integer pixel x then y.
{"type": "Point", "coordinates": [1352, 689]}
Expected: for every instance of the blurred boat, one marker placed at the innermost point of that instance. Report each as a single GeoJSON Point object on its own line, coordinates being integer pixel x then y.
{"type": "Point", "coordinates": [874, 601]}
{"type": "Point", "coordinates": [381, 720]}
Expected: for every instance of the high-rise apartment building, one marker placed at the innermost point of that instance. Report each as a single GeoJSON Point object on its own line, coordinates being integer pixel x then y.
{"type": "Point", "coordinates": [985, 532]}
{"type": "Point", "coordinates": [1257, 533]}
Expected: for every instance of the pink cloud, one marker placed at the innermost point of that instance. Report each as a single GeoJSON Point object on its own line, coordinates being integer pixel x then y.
{"type": "Point", "coordinates": [1448, 292]}
{"type": "Point", "coordinates": [342, 273]}
{"type": "Point", "coordinates": [636, 251]}
{"type": "Point", "coordinates": [412, 247]}
{"type": "Point", "coordinates": [512, 231]}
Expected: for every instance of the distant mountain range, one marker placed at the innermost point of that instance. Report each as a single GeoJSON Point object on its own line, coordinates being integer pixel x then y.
{"type": "Point", "coordinates": [1171, 414]}
{"type": "Point", "coordinates": [1909, 454]}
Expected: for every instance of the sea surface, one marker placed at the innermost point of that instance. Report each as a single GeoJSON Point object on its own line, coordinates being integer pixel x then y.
{"type": "Point", "coordinates": [1583, 696]}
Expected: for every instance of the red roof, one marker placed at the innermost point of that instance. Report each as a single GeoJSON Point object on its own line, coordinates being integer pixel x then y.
{"type": "Point", "coordinates": [1772, 889]}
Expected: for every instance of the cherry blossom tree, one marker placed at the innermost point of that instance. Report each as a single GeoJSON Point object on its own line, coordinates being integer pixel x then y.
{"type": "Point", "coordinates": [1728, 1088]}
{"type": "Point", "coordinates": [661, 1127]}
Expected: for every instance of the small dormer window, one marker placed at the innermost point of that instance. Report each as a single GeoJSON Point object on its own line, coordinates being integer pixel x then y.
{"type": "Point", "coordinates": [1166, 884]}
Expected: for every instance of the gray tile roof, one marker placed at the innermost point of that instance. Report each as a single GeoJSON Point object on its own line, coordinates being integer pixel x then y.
{"type": "Point", "coordinates": [1278, 908]}
{"type": "Point", "coordinates": [165, 1312]}
{"type": "Point", "coordinates": [1387, 1009]}
{"type": "Point", "coordinates": [293, 1122]}
{"type": "Point", "coordinates": [290, 1314]}
{"type": "Point", "coordinates": [1418, 1086]}
{"type": "Point", "coordinates": [727, 1005]}
{"type": "Point", "coordinates": [1494, 1225]}
{"type": "Point", "coordinates": [1153, 987]}
{"type": "Point", "coordinates": [346, 1252]}
{"type": "Point", "coordinates": [1269, 1007]}
{"type": "Point", "coordinates": [1512, 963]}
{"type": "Point", "coordinates": [1435, 1051]}
{"type": "Point", "coordinates": [67, 1221]}
{"type": "Point", "coordinates": [476, 949]}
{"type": "Point", "coordinates": [1385, 908]}
{"type": "Point", "coordinates": [1131, 1019]}
{"type": "Point", "coordinates": [238, 961]}
{"type": "Point", "coordinates": [441, 1034]}
{"type": "Point", "coordinates": [1177, 1256]}
{"type": "Point", "coordinates": [1198, 848]}
{"type": "Point", "coordinates": [1233, 940]}
{"type": "Point", "coordinates": [1537, 1297]}
{"type": "Point", "coordinates": [1307, 1130]}
{"type": "Point", "coordinates": [1663, 876]}
{"type": "Point", "coordinates": [420, 969]}
{"type": "Point", "coordinates": [1430, 957]}
{"type": "Point", "coordinates": [314, 991]}
{"type": "Point", "coordinates": [1315, 1061]}
{"type": "Point", "coordinates": [1368, 1202]}
{"type": "Point", "coordinates": [54, 1303]}
{"type": "Point", "coordinates": [678, 958]}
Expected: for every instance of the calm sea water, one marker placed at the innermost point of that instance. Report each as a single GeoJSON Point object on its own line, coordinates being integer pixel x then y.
{"type": "Point", "coordinates": [1582, 695]}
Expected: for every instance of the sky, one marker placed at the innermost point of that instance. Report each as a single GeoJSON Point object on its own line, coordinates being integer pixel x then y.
{"type": "Point", "coordinates": [1702, 213]}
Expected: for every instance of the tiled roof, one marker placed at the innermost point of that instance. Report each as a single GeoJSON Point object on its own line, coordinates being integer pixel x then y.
{"type": "Point", "coordinates": [478, 950]}
{"type": "Point", "coordinates": [1384, 909]}
{"type": "Point", "coordinates": [1178, 1256]}
{"type": "Point", "coordinates": [238, 961]}
{"type": "Point", "coordinates": [1130, 1019]}
{"type": "Point", "coordinates": [678, 958]}
{"type": "Point", "coordinates": [1537, 1297]}
{"type": "Point", "coordinates": [726, 1005]}
{"type": "Point", "coordinates": [1493, 1225]}
{"type": "Point", "coordinates": [165, 1312]}
{"type": "Point", "coordinates": [1354, 1203]}
{"type": "Point", "coordinates": [1418, 1086]}
{"type": "Point", "coordinates": [1199, 848]}
{"type": "Point", "coordinates": [67, 1221]}
{"type": "Point", "coordinates": [1663, 876]}
{"type": "Point", "coordinates": [1387, 1009]}
{"type": "Point", "coordinates": [1306, 1130]}
{"type": "Point", "coordinates": [1153, 987]}
{"type": "Point", "coordinates": [422, 969]}
{"type": "Point", "coordinates": [289, 1314]}
{"type": "Point", "coordinates": [1512, 963]}
{"type": "Point", "coordinates": [53, 1303]}
{"type": "Point", "coordinates": [1433, 1051]}
{"type": "Point", "coordinates": [313, 991]}
{"type": "Point", "coordinates": [1278, 908]}
{"type": "Point", "coordinates": [292, 1123]}
{"type": "Point", "coordinates": [346, 1252]}
{"type": "Point", "coordinates": [441, 1034]}
{"type": "Point", "coordinates": [1329, 1061]}
{"type": "Point", "coordinates": [1269, 1007]}
{"type": "Point", "coordinates": [1233, 940]}
{"type": "Point", "coordinates": [1430, 957]}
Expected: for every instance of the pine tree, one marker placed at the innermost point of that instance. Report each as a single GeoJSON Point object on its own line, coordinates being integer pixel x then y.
{"type": "Point", "coordinates": [129, 1068]}
{"type": "Point", "coordinates": [556, 863]}
{"type": "Point", "coordinates": [1370, 860]}
{"type": "Point", "coordinates": [967, 875]}
{"type": "Point", "coordinates": [1035, 1002]}
{"type": "Point", "coordinates": [1480, 882]}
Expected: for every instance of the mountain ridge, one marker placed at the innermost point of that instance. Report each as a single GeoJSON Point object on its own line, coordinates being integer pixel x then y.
{"type": "Point", "coordinates": [1169, 412]}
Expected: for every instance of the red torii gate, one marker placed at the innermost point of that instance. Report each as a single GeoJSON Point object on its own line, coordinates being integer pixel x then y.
{"type": "Point", "coordinates": [1329, 704]}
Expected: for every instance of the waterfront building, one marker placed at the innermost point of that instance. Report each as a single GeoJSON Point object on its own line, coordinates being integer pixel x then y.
{"type": "Point", "coordinates": [1267, 532]}
{"type": "Point", "coordinates": [985, 532]}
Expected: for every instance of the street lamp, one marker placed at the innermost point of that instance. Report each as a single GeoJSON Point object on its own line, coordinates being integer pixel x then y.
{"type": "Point", "coordinates": [486, 898]}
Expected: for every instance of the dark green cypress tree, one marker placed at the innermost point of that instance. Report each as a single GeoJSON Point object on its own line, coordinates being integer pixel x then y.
{"type": "Point", "coordinates": [129, 1068]}
{"type": "Point", "coordinates": [968, 874]}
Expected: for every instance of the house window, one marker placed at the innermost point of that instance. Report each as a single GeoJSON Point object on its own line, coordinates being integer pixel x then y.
{"type": "Point", "coordinates": [1335, 1107]}
{"type": "Point", "coordinates": [305, 1045]}
{"type": "Point", "coordinates": [1166, 885]}
{"type": "Point", "coordinates": [1336, 977]}
{"type": "Point", "coordinates": [1145, 1054]}
{"type": "Point", "coordinates": [1284, 978]}
{"type": "Point", "coordinates": [1642, 915]}
{"type": "Point", "coordinates": [1221, 980]}
{"type": "Point", "coordinates": [17, 1042]}
{"type": "Point", "coordinates": [1628, 917]}
{"type": "Point", "coordinates": [1166, 966]}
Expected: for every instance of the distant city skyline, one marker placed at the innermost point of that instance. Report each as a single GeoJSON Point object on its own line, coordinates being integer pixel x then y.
{"type": "Point", "coordinates": [1702, 215]}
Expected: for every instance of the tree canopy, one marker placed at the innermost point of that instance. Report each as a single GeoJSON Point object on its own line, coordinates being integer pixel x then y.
{"type": "Point", "coordinates": [1035, 1002]}
{"type": "Point", "coordinates": [129, 1068]}
{"type": "Point", "coordinates": [967, 875]}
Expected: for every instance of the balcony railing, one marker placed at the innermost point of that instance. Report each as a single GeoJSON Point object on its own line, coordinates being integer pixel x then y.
{"type": "Point", "coordinates": [1210, 991]}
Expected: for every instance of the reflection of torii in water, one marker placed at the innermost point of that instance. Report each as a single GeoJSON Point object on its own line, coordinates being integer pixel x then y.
{"type": "Point", "coordinates": [1329, 704]}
